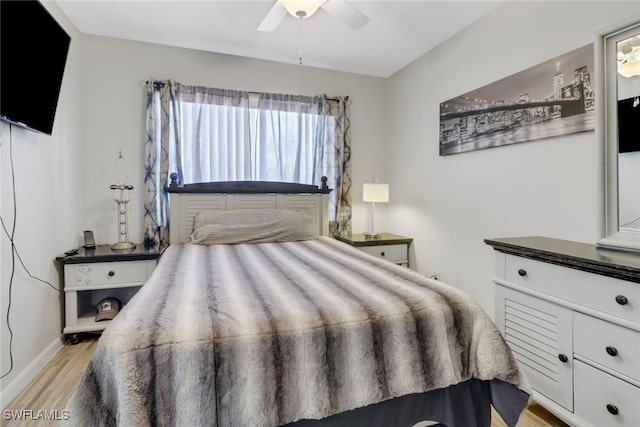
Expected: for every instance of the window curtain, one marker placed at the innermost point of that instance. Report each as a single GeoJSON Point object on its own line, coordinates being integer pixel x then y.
{"type": "Point", "coordinates": [202, 134]}
{"type": "Point", "coordinates": [337, 111]}
{"type": "Point", "coordinates": [300, 139]}
{"type": "Point", "coordinates": [156, 165]}
{"type": "Point", "coordinates": [212, 137]}
{"type": "Point", "coordinates": [288, 144]}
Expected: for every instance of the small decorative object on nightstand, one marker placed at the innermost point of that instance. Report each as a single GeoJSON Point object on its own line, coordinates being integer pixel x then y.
{"type": "Point", "coordinates": [92, 275]}
{"type": "Point", "coordinates": [123, 234]}
{"type": "Point", "coordinates": [123, 245]}
{"type": "Point", "coordinates": [389, 246]}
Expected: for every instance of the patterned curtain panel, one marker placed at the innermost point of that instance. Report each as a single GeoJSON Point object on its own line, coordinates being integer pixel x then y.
{"type": "Point", "coordinates": [338, 110]}
{"type": "Point", "coordinates": [156, 165]}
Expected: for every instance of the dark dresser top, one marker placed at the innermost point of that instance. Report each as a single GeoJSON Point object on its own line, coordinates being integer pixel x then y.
{"type": "Point", "coordinates": [103, 253]}
{"type": "Point", "coordinates": [580, 256]}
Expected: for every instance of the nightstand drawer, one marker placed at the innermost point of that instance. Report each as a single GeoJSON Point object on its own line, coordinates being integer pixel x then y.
{"type": "Point", "coordinates": [106, 273]}
{"type": "Point", "coordinates": [609, 345]}
{"type": "Point", "coordinates": [395, 253]}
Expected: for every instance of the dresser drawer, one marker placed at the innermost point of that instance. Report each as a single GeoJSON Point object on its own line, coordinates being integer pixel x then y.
{"type": "Point", "coordinates": [609, 345]}
{"type": "Point", "coordinates": [603, 399]}
{"type": "Point", "coordinates": [612, 296]}
{"type": "Point", "coordinates": [106, 273]}
{"type": "Point", "coordinates": [395, 253]}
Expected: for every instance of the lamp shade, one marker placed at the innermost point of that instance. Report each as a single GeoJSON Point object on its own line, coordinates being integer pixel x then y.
{"type": "Point", "coordinates": [375, 192]}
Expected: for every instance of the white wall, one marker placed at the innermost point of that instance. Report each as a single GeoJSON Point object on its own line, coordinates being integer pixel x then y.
{"type": "Point", "coordinates": [551, 187]}
{"type": "Point", "coordinates": [47, 173]}
{"type": "Point", "coordinates": [113, 99]}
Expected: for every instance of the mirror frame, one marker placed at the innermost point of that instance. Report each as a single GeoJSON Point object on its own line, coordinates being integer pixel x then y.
{"type": "Point", "coordinates": [607, 105]}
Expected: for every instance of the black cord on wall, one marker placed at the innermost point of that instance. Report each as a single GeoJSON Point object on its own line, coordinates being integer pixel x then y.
{"type": "Point", "coordinates": [13, 257]}
{"type": "Point", "coordinates": [14, 254]}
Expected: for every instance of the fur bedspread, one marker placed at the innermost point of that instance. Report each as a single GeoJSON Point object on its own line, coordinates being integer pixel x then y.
{"type": "Point", "coordinates": [260, 335]}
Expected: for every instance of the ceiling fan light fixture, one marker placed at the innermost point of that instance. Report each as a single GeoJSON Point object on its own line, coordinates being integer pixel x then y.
{"type": "Point", "coordinates": [629, 62]}
{"type": "Point", "coordinates": [630, 68]}
{"type": "Point", "coordinates": [301, 8]}
{"type": "Point", "coordinates": [629, 57]}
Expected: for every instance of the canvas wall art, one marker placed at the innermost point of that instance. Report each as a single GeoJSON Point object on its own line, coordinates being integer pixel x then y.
{"type": "Point", "coordinates": [551, 99]}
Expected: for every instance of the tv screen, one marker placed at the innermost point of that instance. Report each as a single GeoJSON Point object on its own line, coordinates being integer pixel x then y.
{"type": "Point", "coordinates": [33, 53]}
{"type": "Point", "coordinates": [628, 120]}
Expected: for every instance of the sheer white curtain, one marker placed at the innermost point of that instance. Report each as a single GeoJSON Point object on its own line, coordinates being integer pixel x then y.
{"type": "Point", "coordinates": [288, 142]}
{"type": "Point", "coordinates": [212, 134]}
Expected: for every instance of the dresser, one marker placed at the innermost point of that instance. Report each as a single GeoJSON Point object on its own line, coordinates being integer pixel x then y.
{"type": "Point", "coordinates": [571, 314]}
{"type": "Point", "coordinates": [389, 246]}
{"type": "Point", "coordinates": [96, 273]}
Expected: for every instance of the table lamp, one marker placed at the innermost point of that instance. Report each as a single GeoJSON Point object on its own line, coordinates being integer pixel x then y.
{"type": "Point", "coordinates": [374, 192]}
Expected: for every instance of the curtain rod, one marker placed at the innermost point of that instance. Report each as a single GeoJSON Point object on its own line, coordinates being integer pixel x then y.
{"type": "Point", "coordinates": [329, 98]}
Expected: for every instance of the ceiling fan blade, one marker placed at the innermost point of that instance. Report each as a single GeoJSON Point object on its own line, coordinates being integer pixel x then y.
{"type": "Point", "coordinates": [348, 14]}
{"type": "Point", "coordinates": [273, 17]}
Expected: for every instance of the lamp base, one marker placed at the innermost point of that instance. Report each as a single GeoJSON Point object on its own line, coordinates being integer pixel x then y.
{"type": "Point", "coordinates": [372, 236]}
{"type": "Point", "coordinates": [123, 246]}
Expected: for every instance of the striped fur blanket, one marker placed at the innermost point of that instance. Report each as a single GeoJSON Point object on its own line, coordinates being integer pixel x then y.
{"type": "Point", "coordinates": [260, 335]}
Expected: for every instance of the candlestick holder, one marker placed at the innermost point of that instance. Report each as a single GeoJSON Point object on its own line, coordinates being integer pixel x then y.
{"type": "Point", "coordinates": [123, 233]}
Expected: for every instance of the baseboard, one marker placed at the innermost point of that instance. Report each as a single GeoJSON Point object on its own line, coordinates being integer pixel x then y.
{"type": "Point", "coordinates": [557, 410]}
{"type": "Point", "coordinates": [11, 391]}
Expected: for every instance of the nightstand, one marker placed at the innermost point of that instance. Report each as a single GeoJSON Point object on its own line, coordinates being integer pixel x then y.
{"type": "Point", "coordinates": [93, 274]}
{"type": "Point", "coordinates": [389, 246]}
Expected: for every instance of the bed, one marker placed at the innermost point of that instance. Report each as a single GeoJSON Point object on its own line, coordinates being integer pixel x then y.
{"type": "Point", "coordinates": [302, 331]}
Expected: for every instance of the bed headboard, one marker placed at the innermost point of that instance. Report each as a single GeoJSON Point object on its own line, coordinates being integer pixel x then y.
{"type": "Point", "coordinates": [187, 200]}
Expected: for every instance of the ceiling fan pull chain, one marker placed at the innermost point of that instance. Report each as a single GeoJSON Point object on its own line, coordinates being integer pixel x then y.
{"type": "Point", "coordinates": [300, 35]}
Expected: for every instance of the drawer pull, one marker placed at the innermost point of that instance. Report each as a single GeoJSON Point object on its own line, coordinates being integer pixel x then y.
{"type": "Point", "coordinates": [382, 254]}
{"type": "Point", "coordinates": [613, 409]}
{"type": "Point", "coordinates": [612, 351]}
{"type": "Point", "coordinates": [111, 273]}
{"type": "Point", "coordinates": [563, 358]}
{"type": "Point", "coordinates": [622, 300]}
{"type": "Point", "coordinates": [522, 272]}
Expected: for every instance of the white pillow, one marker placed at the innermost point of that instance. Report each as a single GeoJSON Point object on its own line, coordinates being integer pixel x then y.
{"type": "Point", "coordinates": [252, 226]}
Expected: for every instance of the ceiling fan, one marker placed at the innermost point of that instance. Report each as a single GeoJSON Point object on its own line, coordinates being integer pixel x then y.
{"type": "Point", "coordinates": [302, 9]}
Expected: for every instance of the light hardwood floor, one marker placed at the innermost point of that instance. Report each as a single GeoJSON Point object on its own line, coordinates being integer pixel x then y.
{"type": "Point", "coordinates": [51, 389]}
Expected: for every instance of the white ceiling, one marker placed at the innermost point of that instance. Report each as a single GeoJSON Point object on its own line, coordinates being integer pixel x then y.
{"type": "Point", "coordinates": [398, 32]}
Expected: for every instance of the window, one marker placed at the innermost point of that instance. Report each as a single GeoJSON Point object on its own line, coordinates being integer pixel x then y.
{"type": "Point", "coordinates": [264, 141]}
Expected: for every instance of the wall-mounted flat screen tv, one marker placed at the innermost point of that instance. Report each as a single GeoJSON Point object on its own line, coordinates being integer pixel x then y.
{"type": "Point", "coordinates": [628, 120]}
{"type": "Point", "coordinates": [33, 54]}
